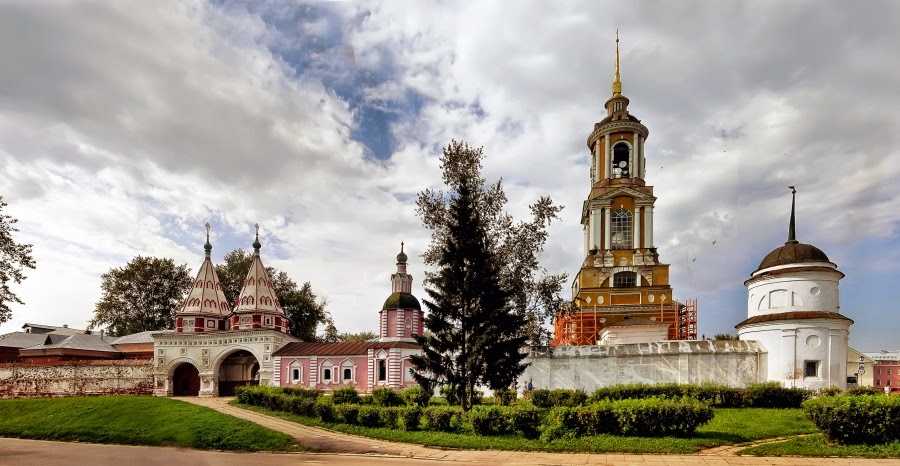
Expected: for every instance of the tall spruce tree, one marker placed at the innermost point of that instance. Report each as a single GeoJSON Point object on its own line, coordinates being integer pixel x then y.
{"type": "Point", "coordinates": [476, 337]}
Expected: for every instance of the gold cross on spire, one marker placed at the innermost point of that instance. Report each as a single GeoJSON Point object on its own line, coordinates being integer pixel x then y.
{"type": "Point", "coordinates": [617, 83]}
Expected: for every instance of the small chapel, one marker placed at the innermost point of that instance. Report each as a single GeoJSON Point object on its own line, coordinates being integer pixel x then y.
{"type": "Point", "coordinates": [217, 346]}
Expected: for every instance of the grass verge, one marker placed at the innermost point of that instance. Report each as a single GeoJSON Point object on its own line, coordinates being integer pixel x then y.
{"type": "Point", "coordinates": [727, 427]}
{"type": "Point", "coordinates": [818, 445]}
{"type": "Point", "coordinates": [135, 420]}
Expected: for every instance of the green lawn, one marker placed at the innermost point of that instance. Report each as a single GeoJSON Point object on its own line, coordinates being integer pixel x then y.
{"type": "Point", "coordinates": [136, 420]}
{"type": "Point", "coordinates": [817, 445]}
{"type": "Point", "coordinates": [727, 427]}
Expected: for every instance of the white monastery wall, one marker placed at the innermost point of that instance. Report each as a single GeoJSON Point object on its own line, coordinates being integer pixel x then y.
{"type": "Point", "coordinates": [734, 363]}
{"type": "Point", "coordinates": [77, 378]}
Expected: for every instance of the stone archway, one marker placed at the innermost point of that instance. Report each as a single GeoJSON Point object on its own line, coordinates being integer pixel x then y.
{"type": "Point", "coordinates": [185, 380]}
{"type": "Point", "coordinates": [238, 368]}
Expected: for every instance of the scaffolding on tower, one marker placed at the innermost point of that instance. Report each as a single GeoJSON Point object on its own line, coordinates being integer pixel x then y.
{"type": "Point", "coordinates": [687, 320]}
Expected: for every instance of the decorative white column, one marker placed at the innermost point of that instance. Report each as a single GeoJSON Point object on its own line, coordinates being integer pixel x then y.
{"type": "Point", "coordinates": [587, 237]}
{"type": "Point", "coordinates": [595, 233]}
{"type": "Point", "coordinates": [639, 152]}
{"type": "Point", "coordinates": [648, 227]}
{"type": "Point", "coordinates": [606, 221]}
{"type": "Point", "coordinates": [632, 164]}
{"type": "Point", "coordinates": [637, 227]}
{"type": "Point", "coordinates": [607, 159]}
{"type": "Point", "coordinates": [592, 237]}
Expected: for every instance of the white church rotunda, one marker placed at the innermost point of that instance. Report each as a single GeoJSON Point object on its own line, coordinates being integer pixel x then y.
{"type": "Point", "coordinates": [793, 311]}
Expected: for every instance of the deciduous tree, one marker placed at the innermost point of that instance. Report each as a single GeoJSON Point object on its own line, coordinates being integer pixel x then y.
{"type": "Point", "coordinates": [143, 295]}
{"type": "Point", "coordinates": [14, 259]}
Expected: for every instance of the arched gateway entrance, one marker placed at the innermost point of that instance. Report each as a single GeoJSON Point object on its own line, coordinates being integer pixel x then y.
{"type": "Point", "coordinates": [185, 380]}
{"type": "Point", "coordinates": [239, 368]}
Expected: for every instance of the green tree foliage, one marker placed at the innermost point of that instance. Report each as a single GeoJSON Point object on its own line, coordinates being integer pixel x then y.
{"type": "Point", "coordinates": [476, 330]}
{"type": "Point", "coordinates": [301, 305]}
{"type": "Point", "coordinates": [14, 258]}
{"type": "Point", "coordinates": [143, 295]}
{"type": "Point", "coordinates": [725, 337]}
{"type": "Point", "coordinates": [516, 244]}
{"type": "Point", "coordinates": [358, 336]}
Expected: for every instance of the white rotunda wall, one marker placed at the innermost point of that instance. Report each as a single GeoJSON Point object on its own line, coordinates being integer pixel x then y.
{"type": "Point", "coordinates": [797, 291]}
{"type": "Point", "coordinates": [790, 344]}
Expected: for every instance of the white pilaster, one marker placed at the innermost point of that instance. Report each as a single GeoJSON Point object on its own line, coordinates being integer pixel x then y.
{"type": "Point", "coordinates": [648, 227]}
{"type": "Point", "coordinates": [637, 227]}
{"type": "Point", "coordinates": [592, 237]}
{"type": "Point", "coordinates": [632, 163]}
{"type": "Point", "coordinates": [606, 221]}
{"type": "Point", "coordinates": [639, 156]}
{"type": "Point", "coordinates": [585, 229]}
{"type": "Point", "coordinates": [607, 160]}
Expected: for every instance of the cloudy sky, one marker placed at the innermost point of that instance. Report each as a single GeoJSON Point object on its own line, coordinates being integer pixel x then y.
{"type": "Point", "coordinates": [125, 126]}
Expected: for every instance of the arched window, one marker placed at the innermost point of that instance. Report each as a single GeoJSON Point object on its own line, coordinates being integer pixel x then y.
{"type": "Point", "coordinates": [625, 280]}
{"type": "Point", "coordinates": [620, 160]}
{"type": "Point", "coordinates": [347, 372]}
{"type": "Point", "coordinates": [621, 229]}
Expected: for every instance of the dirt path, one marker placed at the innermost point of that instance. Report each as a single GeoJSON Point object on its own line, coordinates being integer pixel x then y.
{"type": "Point", "coordinates": [336, 442]}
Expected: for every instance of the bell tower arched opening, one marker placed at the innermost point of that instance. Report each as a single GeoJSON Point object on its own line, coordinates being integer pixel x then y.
{"type": "Point", "coordinates": [620, 162]}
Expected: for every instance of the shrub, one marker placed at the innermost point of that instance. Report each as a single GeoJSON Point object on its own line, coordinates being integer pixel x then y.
{"type": "Point", "coordinates": [438, 401]}
{"type": "Point", "coordinates": [366, 400]}
{"type": "Point", "coordinates": [526, 421]}
{"type": "Point", "coordinates": [347, 413]}
{"type": "Point", "coordinates": [560, 422]}
{"type": "Point", "coordinates": [390, 416]}
{"type": "Point", "coordinates": [490, 420]}
{"type": "Point", "coordinates": [369, 416]}
{"type": "Point", "coordinates": [416, 396]}
{"type": "Point", "coordinates": [773, 395]}
{"type": "Point", "coordinates": [386, 397]}
{"type": "Point", "coordinates": [345, 395]}
{"type": "Point", "coordinates": [660, 416]}
{"type": "Point", "coordinates": [830, 391]}
{"type": "Point", "coordinates": [595, 419]}
{"type": "Point", "coordinates": [540, 398]}
{"type": "Point", "coordinates": [864, 391]}
{"type": "Point", "coordinates": [302, 406]}
{"type": "Point", "coordinates": [505, 396]}
{"type": "Point", "coordinates": [410, 418]}
{"type": "Point", "coordinates": [856, 419]}
{"type": "Point", "coordinates": [301, 392]}
{"type": "Point", "coordinates": [324, 410]}
{"type": "Point", "coordinates": [442, 418]}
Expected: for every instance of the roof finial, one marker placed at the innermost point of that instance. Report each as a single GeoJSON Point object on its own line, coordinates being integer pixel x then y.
{"type": "Point", "coordinates": [256, 244]}
{"type": "Point", "coordinates": [792, 230]}
{"type": "Point", "coordinates": [617, 83]}
{"type": "Point", "coordinates": [401, 258]}
{"type": "Point", "coordinates": [207, 247]}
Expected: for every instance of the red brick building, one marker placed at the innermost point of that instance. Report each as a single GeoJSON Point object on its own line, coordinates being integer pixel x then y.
{"type": "Point", "coordinates": [886, 372]}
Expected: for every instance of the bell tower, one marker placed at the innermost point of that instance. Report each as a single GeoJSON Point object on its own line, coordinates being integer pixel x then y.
{"type": "Point", "coordinates": [621, 281]}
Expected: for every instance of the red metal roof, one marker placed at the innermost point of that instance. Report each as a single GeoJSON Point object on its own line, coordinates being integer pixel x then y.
{"type": "Point", "coordinates": [341, 348]}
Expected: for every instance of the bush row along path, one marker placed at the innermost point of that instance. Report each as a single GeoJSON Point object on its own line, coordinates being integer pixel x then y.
{"type": "Point", "coordinates": [335, 442]}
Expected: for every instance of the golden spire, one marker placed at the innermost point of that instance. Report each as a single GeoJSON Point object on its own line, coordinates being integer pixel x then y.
{"type": "Point", "coordinates": [617, 83]}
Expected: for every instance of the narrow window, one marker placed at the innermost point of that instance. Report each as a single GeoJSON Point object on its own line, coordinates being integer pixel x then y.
{"type": "Point", "coordinates": [382, 370]}
{"type": "Point", "coordinates": [811, 369]}
{"type": "Point", "coordinates": [348, 374]}
{"type": "Point", "coordinates": [621, 229]}
{"type": "Point", "coordinates": [326, 375]}
{"type": "Point", "coordinates": [295, 375]}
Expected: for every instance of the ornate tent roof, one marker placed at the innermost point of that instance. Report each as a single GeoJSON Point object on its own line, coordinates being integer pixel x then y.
{"type": "Point", "coordinates": [206, 296]}
{"type": "Point", "coordinates": [257, 294]}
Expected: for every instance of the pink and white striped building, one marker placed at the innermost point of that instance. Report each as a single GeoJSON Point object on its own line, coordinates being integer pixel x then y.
{"type": "Point", "coordinates": [364, 365]}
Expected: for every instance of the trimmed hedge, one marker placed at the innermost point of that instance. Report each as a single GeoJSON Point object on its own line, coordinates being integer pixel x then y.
{"type": "Point", "coordinates": [638, 417]}
{"type": "Point", "coordinates": [773, 395]}
{"type": "Point", "coordinates": [416, 396]}
{"type": "Point", "coordinates": [443, 418]}
{"type": "Point", "coordinates": [410, 418]}
{"type": "Point", "coordinates": [864, 391]}
{"type": "Point", "coordinates": [543, 398]}
{"type": "Point", "coordinates": [345, 395]}
{"type": "Point", "coordinates": [347, 413]}
{"type": "Point", "coordinates": [856, 419]}
{"type": "Point", "coordinates": [386, 397]}
{"type": "Point", "coordinates": [301, 392]}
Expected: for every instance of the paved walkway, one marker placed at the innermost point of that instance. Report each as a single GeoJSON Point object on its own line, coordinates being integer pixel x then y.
{"type": "Point", "coordinates": [335, 442]}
